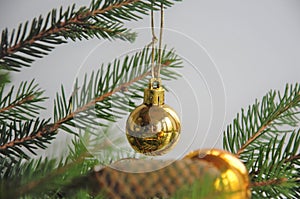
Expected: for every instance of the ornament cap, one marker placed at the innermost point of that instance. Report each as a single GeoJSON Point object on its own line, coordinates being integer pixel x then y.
{"type": "Point", "coordinates": [155, 93]}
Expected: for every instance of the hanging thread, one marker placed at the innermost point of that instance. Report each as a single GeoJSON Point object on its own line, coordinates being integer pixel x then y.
{"type": "Point", "coordinates": [160, 38]}
{"type": "Point", "coordinates": [154, 40]}
{"type": "Point", "coordinates": [156, 74]}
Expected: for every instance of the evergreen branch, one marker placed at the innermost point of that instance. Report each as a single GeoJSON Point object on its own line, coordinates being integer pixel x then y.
{"type": "Point", "coordinates": [62, 170]}
{"type": "Point", "coordinates": [103, 19]}
{"type": "Point", "coordinates": [104, 90]}
{"type": "Point", "coordinates": [260, 131]}
{"type": "Point", "coordinates": [19, 137]}
{"type": "Point", "coordinates": [43, 173]}
{"type": "Point", "coordinates": [44, 177]}
{"type": "Point", "coordinates": [276, 168]}
{"type": "Point", "coordinates": [22, 106]}
{"type": "Point", "coordinates": [258, 124]}
{"type": "Point", "coordinates": [266, 138]}
{"type": "Point", "coordinates": [17, 103]}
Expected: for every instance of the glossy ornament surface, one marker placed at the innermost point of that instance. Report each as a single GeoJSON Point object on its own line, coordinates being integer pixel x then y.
{"type": "Point", "coordinates": [153, 128]}
{"type": "Point", "coordinates": [233, 182]}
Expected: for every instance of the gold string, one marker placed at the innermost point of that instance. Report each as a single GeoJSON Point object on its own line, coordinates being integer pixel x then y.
{"type": "Point", "coordinates": [154, 40]}
{"type": "Point", "coordinates": [160, 38]}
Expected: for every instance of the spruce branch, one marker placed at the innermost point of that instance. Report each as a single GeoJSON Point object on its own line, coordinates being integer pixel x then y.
{"type": "Point", "coordinates": [93, 103]}
{"type": "Point", "coordinates": [276, 170]}
{"type": "Point", "coordinates": [22, 103]}
{"type": "Point", "coordinates": [46, 177]}
{"type": "Point", "coordinates": [264, 119]}
{"type": "Point", "coordinates": [33, 175]}
{"type": "Point", "coordinates": [17, 137]}
{"type": "Point", "coordinates": [103, 19]}
{"type": "Point", "coordinates": [78, 162]}
{"type": "Point", "coordinates": [266, 137]}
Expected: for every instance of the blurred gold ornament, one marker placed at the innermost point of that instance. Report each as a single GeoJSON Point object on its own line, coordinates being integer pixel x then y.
{"type": "Point", "coordinates": [153, 128]}
{"type": "Point", "coordinates": [233, 182]}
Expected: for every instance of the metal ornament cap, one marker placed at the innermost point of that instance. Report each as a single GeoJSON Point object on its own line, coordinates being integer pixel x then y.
{"type": "Point", "coordinates": [155, 93]}
{"type": "Point", "coordinates": [153, 128]}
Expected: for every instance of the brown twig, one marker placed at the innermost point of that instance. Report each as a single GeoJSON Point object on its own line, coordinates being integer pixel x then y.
{"type": "Point", "coordinates": [17, 103]}
{"type": "Point", "coordinates": [254, 137]}
{"type": "Point", "coordinates": [269, 182]}
{"type": "Point", "coordinates": [62, 26]}
{"type": "Point", "coordinates": [292, 158]}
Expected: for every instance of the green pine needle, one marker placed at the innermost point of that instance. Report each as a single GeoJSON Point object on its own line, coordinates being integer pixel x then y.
{"type": "Point", "coordinates": [4, 78]}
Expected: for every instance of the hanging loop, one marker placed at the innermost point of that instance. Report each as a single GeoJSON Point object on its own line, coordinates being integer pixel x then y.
{"type": "Point", "coordinates": [155, 83]}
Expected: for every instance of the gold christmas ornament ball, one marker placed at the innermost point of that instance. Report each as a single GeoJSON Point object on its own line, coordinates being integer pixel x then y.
{"type": "Point", "coordinates": [233, 182]}
{"type": "Point", "coordinates": [153, 128]}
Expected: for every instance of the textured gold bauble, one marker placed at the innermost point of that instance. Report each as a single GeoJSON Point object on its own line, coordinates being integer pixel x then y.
{"type": "Point", "coordinates": [153, 128]}
{"type": "Point", "coordinates": [233, 182]}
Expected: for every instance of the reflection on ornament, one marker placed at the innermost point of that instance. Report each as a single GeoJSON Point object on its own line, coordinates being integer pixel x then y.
{"type": "Point", "coordinates": [233, 182]}
{"type": "Point", "coordinates": [153, 128]}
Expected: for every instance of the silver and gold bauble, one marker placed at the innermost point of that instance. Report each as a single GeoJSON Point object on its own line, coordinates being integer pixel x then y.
{"type": "Point", "coordinates": [153, 128]}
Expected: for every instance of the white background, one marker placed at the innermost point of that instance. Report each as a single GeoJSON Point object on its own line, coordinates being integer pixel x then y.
{"type": "Point", "coordinates": [234, 52]}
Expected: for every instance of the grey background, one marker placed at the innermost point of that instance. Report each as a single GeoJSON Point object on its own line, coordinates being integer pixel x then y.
{"type": "Point", "coordinates": [234, 52]}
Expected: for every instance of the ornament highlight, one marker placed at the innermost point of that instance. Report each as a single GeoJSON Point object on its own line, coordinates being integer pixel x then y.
{"type": "Point", "coordinates": [153, 128]}
{"type": "Point", "coordinates": [233, 182]}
